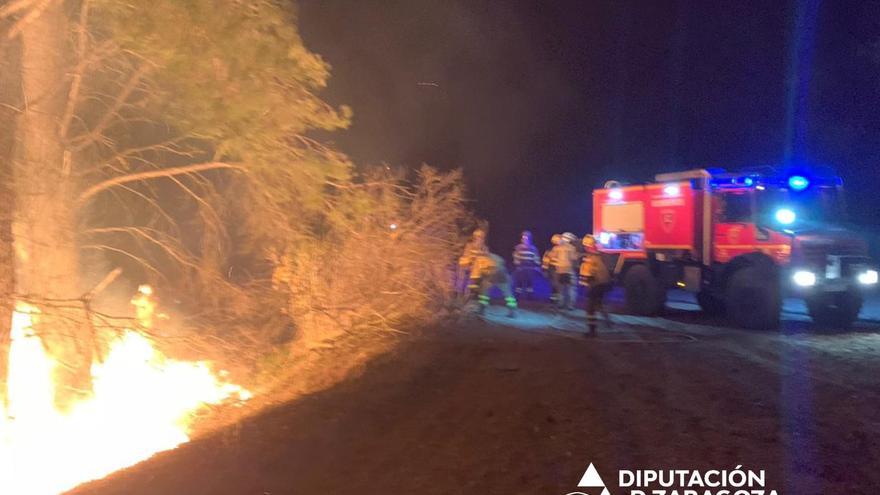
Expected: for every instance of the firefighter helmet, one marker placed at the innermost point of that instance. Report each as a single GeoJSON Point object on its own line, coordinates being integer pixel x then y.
{"type": "Point", "coordinates": [589, 242]}
{"type": "Point", "coordinates": [556, 239]}
{"type": "Point", "coordinates": [569, 237]}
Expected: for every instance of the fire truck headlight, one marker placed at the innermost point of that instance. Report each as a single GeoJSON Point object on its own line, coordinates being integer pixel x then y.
{"type": "Point", "coordinates": [785, 216]}
{"type": "Point", "coordinates": [804, 278]}
{"type": "Point", "coordinates": [868, 277]}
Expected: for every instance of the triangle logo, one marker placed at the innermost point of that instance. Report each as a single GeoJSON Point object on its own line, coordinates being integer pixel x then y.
{"type": "Point", "coordinates": [591, 479]}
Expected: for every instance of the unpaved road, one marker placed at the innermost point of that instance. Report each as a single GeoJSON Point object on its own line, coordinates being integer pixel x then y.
{"type": "Point", "coordinates": [523, 407]}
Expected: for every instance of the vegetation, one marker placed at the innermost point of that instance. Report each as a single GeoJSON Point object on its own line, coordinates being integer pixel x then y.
{"type": "Point", "coordinates": [171, 139]}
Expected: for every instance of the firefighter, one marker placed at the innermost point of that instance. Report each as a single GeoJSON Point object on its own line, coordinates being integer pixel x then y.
{"type": "Point", "coordinates": [475, 247]}
{"type": "Point", "coordinates": [144, 306]}
{"type": "Point", "coordinates": [564, 258]}
{"type": "Point", "coordinates": [594, 275]}
{"type": "Point", "coordinates": [549, 268]}
{"type": "Point", "coordinates": [526, 261]}
{"type": "Point", "coordinates": [489, 271]}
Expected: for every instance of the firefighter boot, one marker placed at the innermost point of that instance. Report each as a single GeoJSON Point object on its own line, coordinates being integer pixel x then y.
{"type": "Point", "coordinates": [592, 323]}
{"type": "Point", "coordinates": [484, 303]}
{"type": "Point", "coordinates": [511, 306]}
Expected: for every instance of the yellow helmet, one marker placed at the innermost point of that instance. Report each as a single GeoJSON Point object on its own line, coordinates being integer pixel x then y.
{"type": "Point", "coordinates": [589, 242]}
{"type": "Point", "coordinates": [556, 239]}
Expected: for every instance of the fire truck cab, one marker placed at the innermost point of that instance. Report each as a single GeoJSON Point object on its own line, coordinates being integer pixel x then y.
{"type": "Point", "coordinates": [740, 241]}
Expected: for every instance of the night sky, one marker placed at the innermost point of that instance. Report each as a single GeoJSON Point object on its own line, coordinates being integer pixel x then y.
{"type": "Point", "coordinates": [540, 102]}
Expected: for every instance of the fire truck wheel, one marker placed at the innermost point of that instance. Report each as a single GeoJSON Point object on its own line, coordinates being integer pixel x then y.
{"type": "Point", "coordinates": [710, 304]}
{"type": "Point", "coordinates": [753, 299]}
{"type": "Point", "coordinates": [644, 296]}
{"type": "Point", "coordinates": [840, 310]}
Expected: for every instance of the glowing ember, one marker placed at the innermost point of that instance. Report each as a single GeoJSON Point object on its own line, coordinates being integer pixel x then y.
{"type": "Point", "coordinates": [142, 404]}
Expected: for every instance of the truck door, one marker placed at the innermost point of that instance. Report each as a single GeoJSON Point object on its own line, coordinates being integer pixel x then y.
{"type": "Point", "coordinates": [734, 224]}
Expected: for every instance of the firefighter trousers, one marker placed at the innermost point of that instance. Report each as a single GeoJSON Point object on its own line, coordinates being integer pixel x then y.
{"type": "Point", "coordinates": [486, 285]}
{"type": "Point", "coordinates": [567, 291]}
{"type": "Point", "coordinates": [596, 304]}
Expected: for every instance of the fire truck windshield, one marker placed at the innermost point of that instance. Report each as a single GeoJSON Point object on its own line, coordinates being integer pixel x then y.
{"type": "Point", "coordinates": [815, 205]}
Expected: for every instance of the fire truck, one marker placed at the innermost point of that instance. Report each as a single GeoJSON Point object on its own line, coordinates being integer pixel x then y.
{"type": "Point", "coordinates": [739, 241]}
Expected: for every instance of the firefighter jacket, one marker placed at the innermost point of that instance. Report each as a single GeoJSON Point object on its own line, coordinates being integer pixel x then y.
{"type": "Point", "coordinates": [564, 258]}
{"type": "Point", "coordinates": [594, 271]}
{"type": "Point", "coordinates": [490, 267]}
{"type": "Point", "coordinates": [547, 259]}
{"type": "Point", "coordinates": [525, 255]}
{"type": "Point", "coordinates": [472, 250]}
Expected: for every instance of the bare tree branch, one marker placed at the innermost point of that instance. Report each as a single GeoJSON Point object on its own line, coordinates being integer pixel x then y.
{"type": "Point", "coordinates": [140, 260]}
{"type": "Point", "coordinates": [76, 84]}
{"type": "Point", "coordinates": [153, 174]}
{"type": "Point", "coordinates": [36, 11]}
{"type": "Point", "coordinates": [172, 146]}
{"type": "Point", "coordinates": [118, 102]}
{"type": "Point", "coordinates": [16, 6]}
{"type": "Point", "coordinates": [155, 237]}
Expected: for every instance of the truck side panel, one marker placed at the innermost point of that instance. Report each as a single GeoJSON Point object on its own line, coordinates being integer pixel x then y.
{"type": "Point", "coordinates": [671, 220]}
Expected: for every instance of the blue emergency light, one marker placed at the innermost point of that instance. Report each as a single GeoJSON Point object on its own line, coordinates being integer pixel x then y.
{"type": "Point", "coordinates": [798, 182]}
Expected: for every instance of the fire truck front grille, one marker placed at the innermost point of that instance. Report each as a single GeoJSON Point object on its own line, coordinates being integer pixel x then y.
{"type": "Point", "coordinates": [817, 254]}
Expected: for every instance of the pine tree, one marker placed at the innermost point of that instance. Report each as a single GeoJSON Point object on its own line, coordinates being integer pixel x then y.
{"type": "Point", "coordinates": [120, 101]}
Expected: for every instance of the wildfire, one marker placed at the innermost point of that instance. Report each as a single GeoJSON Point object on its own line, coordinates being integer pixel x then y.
{"type": "Point", "coordinates": [142, 404]}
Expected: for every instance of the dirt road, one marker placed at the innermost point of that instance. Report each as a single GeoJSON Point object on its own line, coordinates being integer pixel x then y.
{"type": "Point", "coordinates": [523, 407]}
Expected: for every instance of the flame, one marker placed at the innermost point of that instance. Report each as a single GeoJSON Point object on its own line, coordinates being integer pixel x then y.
{"type": "Point", "coordinates": [143, 403]}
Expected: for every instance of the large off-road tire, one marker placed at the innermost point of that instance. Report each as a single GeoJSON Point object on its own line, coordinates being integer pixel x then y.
{"type": "Point", "coordinates": [753, 297]}
{"type": "Point", "coordinates": [644, 295]}
{"type": "Point", "coordinates": [710, 304]}
{"type": "Point", "coordinates": [839, 310]}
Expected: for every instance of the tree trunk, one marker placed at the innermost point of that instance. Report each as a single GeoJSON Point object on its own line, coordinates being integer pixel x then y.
{"type": "Point", "coordinates": [46, 255]}
{"type": "Point", "coordinates": [7, 268]}
{"type": "Point", "coordinates": [11, 98]}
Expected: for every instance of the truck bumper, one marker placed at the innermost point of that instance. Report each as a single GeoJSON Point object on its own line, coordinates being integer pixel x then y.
{"type": "Point", "coordinates": [841, 274]}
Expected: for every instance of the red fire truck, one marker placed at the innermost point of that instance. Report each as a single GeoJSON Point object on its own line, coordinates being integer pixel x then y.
{"type": "Point", "coordinates": [740, 241]}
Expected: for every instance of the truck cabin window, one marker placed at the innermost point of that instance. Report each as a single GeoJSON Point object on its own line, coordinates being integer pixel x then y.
{"type": "Point", "coordinates": [735, 207]}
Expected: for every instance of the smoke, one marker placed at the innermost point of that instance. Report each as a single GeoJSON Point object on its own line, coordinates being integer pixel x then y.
{"type": "Point", "coordinates": [456, 84]}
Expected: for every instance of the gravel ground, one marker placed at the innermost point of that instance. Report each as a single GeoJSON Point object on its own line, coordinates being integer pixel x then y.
{"type": "Point", "coordinates": [523, 406]}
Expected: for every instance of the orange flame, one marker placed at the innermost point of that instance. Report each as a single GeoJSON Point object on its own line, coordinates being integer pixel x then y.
{"type": "Point", "coordinates": [142, 404]}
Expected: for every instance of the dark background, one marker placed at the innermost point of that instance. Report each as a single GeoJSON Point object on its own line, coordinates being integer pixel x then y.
{"type": "Point", "coordinates": [540, 102]}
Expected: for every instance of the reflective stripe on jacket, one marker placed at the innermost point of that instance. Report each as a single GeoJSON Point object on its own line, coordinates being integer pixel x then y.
{"type": "Point", "coordinates": [526, 256]}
